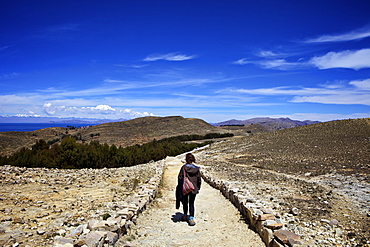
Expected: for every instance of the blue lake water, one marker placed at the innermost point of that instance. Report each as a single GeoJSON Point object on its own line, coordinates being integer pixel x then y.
{"type": "Point", "coordinates": [5, 127]}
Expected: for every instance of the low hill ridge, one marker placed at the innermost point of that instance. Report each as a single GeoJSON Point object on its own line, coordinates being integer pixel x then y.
{"type": "Point", "coordinates": [124, 133]}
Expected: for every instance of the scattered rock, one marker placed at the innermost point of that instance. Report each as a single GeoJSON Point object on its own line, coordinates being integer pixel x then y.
{"type": "Point", "coordinates": [294, 211]}
{"type": "Point", "coordinates": [333, 222]}
{"type": "Point", "coordinates": [275, 226]}
{"type": "Point", "coordinates": [285, 236]}
{"type": "Point", "coordinates": [76, 212]}
{"type": "Point", "coordinates": [266, 217]}
{"type": "Point", "coordinates": [18, 220]}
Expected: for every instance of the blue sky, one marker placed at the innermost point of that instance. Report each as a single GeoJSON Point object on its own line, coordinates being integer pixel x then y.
{"type": "Point", "coordinates": [214, 60]}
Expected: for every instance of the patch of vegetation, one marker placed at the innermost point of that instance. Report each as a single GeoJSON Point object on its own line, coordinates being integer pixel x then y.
{"type": "Point", "coordinates": [105, 216]}
{"type": "Point", "coordinates": [72, 155]}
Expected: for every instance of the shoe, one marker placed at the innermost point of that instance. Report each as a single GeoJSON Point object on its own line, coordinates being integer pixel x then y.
{"type": "Point", "coordinates": [184, 217]}
{"type": "Point", "coordinates": [191, 221]}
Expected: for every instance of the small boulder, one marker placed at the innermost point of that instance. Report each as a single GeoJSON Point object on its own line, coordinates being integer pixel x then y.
{"type": "Point", "coordinates": [294, 211]}
{"type": "Point", "coordinates": [18, 220]}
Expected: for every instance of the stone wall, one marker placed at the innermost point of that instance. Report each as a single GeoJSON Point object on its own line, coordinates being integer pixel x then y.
{"type": "Point", "coordinates": [118, 220]}
{"type": "Point", "coordinates": [261, 218]}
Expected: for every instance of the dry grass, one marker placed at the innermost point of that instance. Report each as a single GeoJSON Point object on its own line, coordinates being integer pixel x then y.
{"type": "Point", "coordinates": [322, 169]}
{"type": "Point", "coordinates": [341, 146]}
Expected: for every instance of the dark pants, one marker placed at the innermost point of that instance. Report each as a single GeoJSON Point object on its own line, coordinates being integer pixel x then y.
{"type": "Point", "coordinates": [188, 203]}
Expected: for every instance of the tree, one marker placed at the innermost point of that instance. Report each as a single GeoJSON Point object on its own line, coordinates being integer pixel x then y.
{"type": "Point", "coordinates": [40, 145]}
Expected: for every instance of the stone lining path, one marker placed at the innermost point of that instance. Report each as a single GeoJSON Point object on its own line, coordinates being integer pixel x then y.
{"type": "Point", "coordinates": [218, 221]}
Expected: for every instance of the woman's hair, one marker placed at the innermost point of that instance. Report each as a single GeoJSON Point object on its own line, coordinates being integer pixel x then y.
{"type": "Point", "coordinates": [190, 158]}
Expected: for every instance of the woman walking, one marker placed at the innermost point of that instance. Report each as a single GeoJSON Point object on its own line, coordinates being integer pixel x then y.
{"type": "Point", "coordinates": [191, 171]}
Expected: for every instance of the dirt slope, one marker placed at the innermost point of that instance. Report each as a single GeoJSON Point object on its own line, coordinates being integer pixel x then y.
{"type": "Point", "coordinates": [142, 130]}
{"type": "Point", "coordinates": [321, 169]}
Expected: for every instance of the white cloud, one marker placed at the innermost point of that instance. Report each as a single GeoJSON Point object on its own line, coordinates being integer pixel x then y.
{"type": "Point", "coordinates": [27, 115]}
{"type": "Point", "coordinates": [356, 92]}
{"type": "Point", "coordinates": [323, 117]}
{"type": "Point", "coordinates": [103, 108]}
{"type": "Point", "coordinates": [354, 35]}
{"type": "Point", "coordinates": [168, 57]}
{"type": "Point", "coordinates": [110, 80]}
{"type": "Point", "coordinates": [361, 84]}
{"type": "Point", "coordinates": [349, 59]}
{"type": "Point", "coordinates": [345, 59]}
{"type": "Point", "coordinates": [286, 91]}
{"type": "Point", "coordinates": [242, 61]}
{"type": "Point", "coordinates": [264, 53]}
{"type": "Point", "coordinates": [99, 111]}
{"type": "Point", "coordinates": [13, 99]}
{"type": "Point", "coordinates": [135, 66]}
{"type": "Point", "coordinates": [280, 64]}
{"type": "Point", "coordinates": [348, 99]}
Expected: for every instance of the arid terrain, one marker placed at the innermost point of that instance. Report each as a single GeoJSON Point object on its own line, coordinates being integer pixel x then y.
{"type": "Point", "coordinates": [316, 177]}
{"type": "Point", "coordinates": [322, 170]}
{"type": "Point", "coordinates": [37, 204]}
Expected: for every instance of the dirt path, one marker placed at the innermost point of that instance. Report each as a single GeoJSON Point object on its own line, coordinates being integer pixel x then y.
{"type": "Point", "coordinates": [218, 222]}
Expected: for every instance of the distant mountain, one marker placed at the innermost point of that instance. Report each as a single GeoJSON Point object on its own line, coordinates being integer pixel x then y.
{"type": "Point", "coordinates": [270, 124]}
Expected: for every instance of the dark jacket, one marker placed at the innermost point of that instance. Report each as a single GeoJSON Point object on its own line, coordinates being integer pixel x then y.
{"type": "Point", "coordinates": [193, 173]}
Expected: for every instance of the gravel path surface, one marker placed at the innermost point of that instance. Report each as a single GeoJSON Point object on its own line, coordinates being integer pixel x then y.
{"type": "Point", "coordinates": [218, 223]}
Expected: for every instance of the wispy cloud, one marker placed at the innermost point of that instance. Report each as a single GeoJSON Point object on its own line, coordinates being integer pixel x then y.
{"type": "Point", "coordinates": [242, 61]}
{"type": "Point", "coordinates": [8, 75]}
{"type": "Point", "coordinates": [281, 64]}
{"type": "Point", "coordinates": [265, 53]}
{"type": "Point", "coordinates": [3, 48]}
{"type": "Point", "coordinates": [347, 99]}
{"type": "Point", "coordinates": [285, 90]}
{"type": "Point", "coordinates": [63, 28]}
{"type": "Point", "coordinates": [353, 35]}
{"type": "Point", "coordinates": [350, 59]}
{"type": "Point", "coordinates": [169, 57]}
{"type": "Point", "coordinates": [358, 59]}
{"type": "Point", "coordinates": [355, 92]}
{"type": "Point", "coordinates": [135, 66]}
{"type": "Point", "coordinates": [58, 32]}
{"type": "Point", "coordinates": [278, 64]}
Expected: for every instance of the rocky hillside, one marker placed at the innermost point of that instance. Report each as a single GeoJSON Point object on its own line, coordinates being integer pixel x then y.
{"type": "Point", "coordinates": [340, 146]}
{"type": "Point", "coordinates": [125, 133]}
{"type": "Point", "coordinates": [322, 171]}
{"type": "Point", "coordinates": [14, 140]}
{"type": "Point", "coordinates": [142, 130]}
{"type": "Point", "coordinates": [245, 130]}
